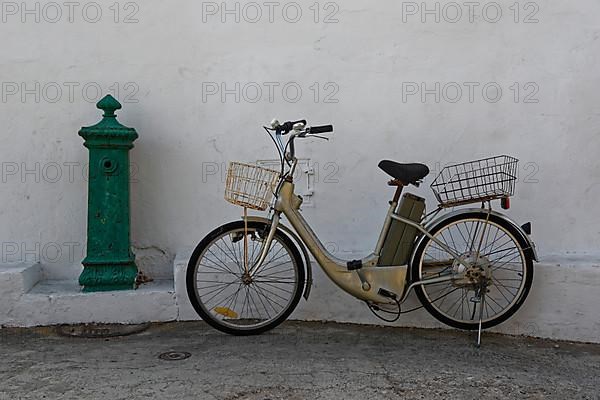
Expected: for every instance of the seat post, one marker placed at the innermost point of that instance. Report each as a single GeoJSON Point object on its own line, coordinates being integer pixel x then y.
{"type": "Point", "coordinates": [399, 186]}
{"type": "Point", "coordinates": [397, 194]}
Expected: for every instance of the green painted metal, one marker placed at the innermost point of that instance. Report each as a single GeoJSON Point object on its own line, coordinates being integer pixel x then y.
{"type": "Point", "coordinates": [109, 263]}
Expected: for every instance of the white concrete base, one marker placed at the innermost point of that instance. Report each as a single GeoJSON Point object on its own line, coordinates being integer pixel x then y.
{"type": "Point", "coordinates": [186, 311]}
{"type": "Point", "coordinates": [558, 306]}
{"type": "Point", "coordinates": [27, 301]}
{"type": "Point", "coordinates": [17, 279]}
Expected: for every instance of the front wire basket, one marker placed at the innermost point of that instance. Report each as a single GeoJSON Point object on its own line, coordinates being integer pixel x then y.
{"type": "Point", "coordinates": [476, 181]}
{"type": "Point", "coordinates": [250, 186]}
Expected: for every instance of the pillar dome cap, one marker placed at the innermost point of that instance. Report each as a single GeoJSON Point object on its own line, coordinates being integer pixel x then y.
{"type": "Point", "coordinates": [109, 105]}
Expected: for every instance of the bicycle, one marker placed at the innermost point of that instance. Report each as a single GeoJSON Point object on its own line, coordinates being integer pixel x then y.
{"type": "Point", "coordinates": [471, 268]}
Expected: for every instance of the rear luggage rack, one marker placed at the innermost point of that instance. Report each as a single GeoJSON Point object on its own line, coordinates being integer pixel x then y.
{"type": "Point", "coordinates": [476, 181]}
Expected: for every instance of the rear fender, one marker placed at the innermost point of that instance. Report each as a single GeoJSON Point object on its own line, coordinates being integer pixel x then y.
{"type": "Point", "coordinates": [530, 248]}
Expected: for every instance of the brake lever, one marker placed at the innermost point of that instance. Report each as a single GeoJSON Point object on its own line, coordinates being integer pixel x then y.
{"type": "Point", "coordinates": [320, 137]}
{"type": "Point", "coordinates": [309, 135]}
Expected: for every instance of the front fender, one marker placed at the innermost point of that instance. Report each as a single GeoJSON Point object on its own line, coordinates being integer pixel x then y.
{"type": "Point", "coordinates": [431, 224]}
{"type": "Point", "coordinates": [292, 235]}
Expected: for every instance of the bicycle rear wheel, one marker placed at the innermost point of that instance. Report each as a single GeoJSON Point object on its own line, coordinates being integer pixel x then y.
{"type": "Point", "coordinates": [500, 258]}
{"type": "Point", "coordinates": [235, 302]}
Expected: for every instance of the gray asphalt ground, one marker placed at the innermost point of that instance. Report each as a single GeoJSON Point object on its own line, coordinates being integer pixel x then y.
{"type": "Point", "coordinates": [295, 361]}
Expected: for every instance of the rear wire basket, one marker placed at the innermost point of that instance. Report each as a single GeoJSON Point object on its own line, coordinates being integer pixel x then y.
{"type": "Point", "coordinates": [476, 181]}
{"type": "Point", "coordinates": [250, 186]}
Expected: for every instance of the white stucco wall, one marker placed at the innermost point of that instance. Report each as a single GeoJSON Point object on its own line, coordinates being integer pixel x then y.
{"type": "Point", "coordinates": [167, 66]}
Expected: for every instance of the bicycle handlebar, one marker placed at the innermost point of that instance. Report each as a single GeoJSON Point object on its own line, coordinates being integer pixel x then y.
{"type": "Point", "coordinates": [313, 130]}
{"type": "Point", "coordinates": [300, 130]}
{"type": "Point", "coordinates": [288, 126]}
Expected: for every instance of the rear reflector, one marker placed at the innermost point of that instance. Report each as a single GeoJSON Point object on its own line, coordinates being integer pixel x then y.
{"type": "Point", "coordinates": [505, 202]}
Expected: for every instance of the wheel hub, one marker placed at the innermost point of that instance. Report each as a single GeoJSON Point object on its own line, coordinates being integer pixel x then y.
{"type": "Point", "coordinates": [477, 275]}
{"type": "Point", "coordinates": [246, 279]}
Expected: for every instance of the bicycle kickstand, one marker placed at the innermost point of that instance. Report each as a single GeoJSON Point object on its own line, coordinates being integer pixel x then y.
{"type": "Point", "coordinates": [481, 305]}
{"type": "Point", "coordinates": [479, 298]}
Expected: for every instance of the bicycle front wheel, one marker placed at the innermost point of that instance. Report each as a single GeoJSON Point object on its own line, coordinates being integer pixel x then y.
{"type": "Point", "coordinates": [496, 285]}
{"type": "Point", "coordinates": [234, 300]}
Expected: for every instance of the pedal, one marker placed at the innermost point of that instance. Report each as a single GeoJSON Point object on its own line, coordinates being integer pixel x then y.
{"type": "Point", "coordinates": [366, 286]}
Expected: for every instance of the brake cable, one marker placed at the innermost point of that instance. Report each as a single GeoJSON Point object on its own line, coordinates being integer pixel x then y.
{"type": "Point", "coordinates": [278, 148]}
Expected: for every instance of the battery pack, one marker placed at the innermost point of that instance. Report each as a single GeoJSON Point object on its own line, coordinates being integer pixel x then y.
{"type": "Point", "coordinates": [400, 239]}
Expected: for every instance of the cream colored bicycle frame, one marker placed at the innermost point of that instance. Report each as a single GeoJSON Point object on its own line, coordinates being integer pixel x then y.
{"type": "Point", "coordinates": [363, 283]}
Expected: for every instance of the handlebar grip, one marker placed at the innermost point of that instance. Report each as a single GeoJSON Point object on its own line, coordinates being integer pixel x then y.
{"type": "Point", "coordinates": [321, 129]}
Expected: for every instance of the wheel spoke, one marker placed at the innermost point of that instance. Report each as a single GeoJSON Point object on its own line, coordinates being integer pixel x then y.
{"type": "Point", "coordinates": [234, 259]}
{"type": "Point", "coordinates": [486, 245]}
{"type": "Point", "coordinates": [217, 269]}
{"type": "Point", "coordinates": [237, 301]}
{"type": "Point", "coordinates": [217, 293]}
{"type": "Point", "coordinates": [269, 299]}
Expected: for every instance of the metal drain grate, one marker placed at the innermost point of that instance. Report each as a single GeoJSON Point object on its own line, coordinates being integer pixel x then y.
{"type": "Point", "coordinates": [101, 330]}
{"type": "Point", "coordinates": [174, 355]}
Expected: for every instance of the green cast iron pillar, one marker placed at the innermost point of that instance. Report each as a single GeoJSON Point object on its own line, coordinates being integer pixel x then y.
{"type": "Point", "coordinates": [109, 263]}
